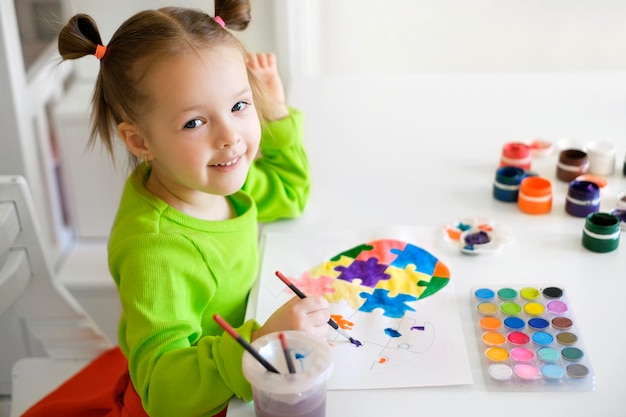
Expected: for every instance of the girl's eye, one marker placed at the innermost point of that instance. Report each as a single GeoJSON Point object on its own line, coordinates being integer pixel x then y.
{"type": "Point", "coordinates": [240, 106]}
{"type": "Point", "coordinates": [192, 124]}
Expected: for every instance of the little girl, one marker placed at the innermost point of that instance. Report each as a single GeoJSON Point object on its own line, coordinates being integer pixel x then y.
{"type": "Point", "coordinates": [215, 150]}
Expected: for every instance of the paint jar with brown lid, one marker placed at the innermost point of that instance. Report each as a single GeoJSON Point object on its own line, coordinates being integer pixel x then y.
{"type": "Point", "coordinates": [572, 163]}
{"type": "Point", "coordinates": [535, 195]}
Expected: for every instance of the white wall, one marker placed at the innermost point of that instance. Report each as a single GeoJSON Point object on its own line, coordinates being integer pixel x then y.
{"type": "Point", "coordinates": [407, 36]}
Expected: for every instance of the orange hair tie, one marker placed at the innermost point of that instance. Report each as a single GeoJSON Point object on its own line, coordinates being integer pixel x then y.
{"type": "Point", "coordinates": [100, 51]}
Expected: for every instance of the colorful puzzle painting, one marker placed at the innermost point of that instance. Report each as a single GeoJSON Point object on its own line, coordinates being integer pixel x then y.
{"type": "Point", "coordinates": [387, 293]}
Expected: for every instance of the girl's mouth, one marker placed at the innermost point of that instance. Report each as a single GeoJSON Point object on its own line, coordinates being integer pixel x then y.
{"type": "Point", "coordinates": [227, 163]}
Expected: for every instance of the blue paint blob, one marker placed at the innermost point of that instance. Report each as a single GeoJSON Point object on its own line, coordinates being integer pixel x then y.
{"type": "Point", "coordinates": [484, 294]}
{"type": "Point", "coordinates": [392, 332]}
{"type": "Point", "coordinates": [514, 323]}
{"type": "Point", "coordinates": [538, 323]}
{"type": "Point", "coordinates": [420, 328]}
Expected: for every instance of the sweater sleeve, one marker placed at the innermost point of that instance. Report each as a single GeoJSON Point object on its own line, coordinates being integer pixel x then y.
{"type": "Point", "coordinates": [279, 181]}
{"type": "Point", "coordinates": [177, 368]}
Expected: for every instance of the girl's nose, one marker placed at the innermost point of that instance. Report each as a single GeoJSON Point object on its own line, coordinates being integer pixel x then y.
{"type": "Point", "coordinates": [225, 134]}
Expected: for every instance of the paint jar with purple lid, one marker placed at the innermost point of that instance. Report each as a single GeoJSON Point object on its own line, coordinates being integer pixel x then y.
{"type": "Point", "coordinates": [507, 182]}
{"type": "Point", "coordinates": [621, 200]}
{"type": "Point", "coordinates": [572, 163]}
{"type": "Point", "coordinates": [621, 215]}
{"type": "Point", "coordinates": [582, 199]}
{"type": "Point", "coordinates": [601, 232]}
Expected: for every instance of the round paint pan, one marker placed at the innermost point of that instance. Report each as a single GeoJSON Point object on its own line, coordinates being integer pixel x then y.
{"type": "Point", "coordinates": [566, 338]}
{"type": "Point", "coordinates": [514, 323]}
{"type": "Point", "coordinates": [518, 338]}
{"type": "Point", "coordinates": [552, 293]}
{"type": "Point", "coordinates": [507, 294]}
{"type": "Point", "coordinates": [500, 372]}
{"type": "Point", "coordinates": [538, 323]}
{"type": "Point", "coordinates": [556, 307]}
{"type": "Point", "coordinates": [526, 371]}
{"type": "Point", "coordinates": [572, 354]}
{"type": "Point", "coordinates": [562, 323]}
{"type": "Point", "coordinates": [577, 371]}
{"type": "Point", "coordinates": [490, 323]}
{"type": "Point", "coordinates": [552, 372]}
{"type": "Point", "coordinates": [484, 294]}
{"type": "Point", "coordinates": [542, 338]}
{"type": "Point", "coordinates": [510, 308]}
{"type": "Point", "coordinates": [529, 293]}
{"type": "Point", "coordinates": [548, 355]}
{"type": "Point", "coordinates": [487, 308]}
{"type": "Point", "coordinates": [494, 339]}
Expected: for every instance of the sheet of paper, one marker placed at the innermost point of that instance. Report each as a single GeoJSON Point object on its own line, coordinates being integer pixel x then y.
{"type": "Point", "coordinates": [422, 344]}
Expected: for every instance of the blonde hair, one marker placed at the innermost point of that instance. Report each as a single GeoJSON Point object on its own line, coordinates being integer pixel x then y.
{"type": "Point", "coordinates": [138, 44]}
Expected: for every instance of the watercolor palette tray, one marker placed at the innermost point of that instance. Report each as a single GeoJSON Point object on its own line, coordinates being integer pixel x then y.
{"type": "Point", "coordinates": [529, 339]}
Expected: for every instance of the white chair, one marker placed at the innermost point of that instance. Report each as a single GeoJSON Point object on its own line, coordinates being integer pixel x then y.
{"type": "Point", "coordinates": [45, 335]}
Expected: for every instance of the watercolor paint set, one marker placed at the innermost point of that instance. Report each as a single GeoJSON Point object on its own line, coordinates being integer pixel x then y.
{"type": "Point", "coordinates": [529, 339]}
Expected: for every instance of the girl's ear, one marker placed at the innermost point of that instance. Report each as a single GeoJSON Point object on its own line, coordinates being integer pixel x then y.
{"type": "Point", "coordinates": [134, 140]}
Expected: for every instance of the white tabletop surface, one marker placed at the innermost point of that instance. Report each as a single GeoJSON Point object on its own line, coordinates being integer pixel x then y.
{"type": "Point", "coordinates": [421, 150]}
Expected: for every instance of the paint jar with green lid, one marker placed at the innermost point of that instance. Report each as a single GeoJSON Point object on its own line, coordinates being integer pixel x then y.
{"type": "Point", "coordinates": [601, 232]}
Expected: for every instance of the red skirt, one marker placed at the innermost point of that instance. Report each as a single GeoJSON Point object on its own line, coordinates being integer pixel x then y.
{"type": "Point", "coordinates": [101, 389]}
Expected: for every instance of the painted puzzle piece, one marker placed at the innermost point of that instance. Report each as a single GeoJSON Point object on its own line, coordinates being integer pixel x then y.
{"type": "Point", "coordinates": [314, 287]}
{"type": "Point", "coordinates": [369, 273]}
{"type": "Point", "coordinates": [394, 307]}
{"type": "Point", "coordinates": [328, 268]}
{"type": "Point", "coordinates": [403, 281]}
{"type": "Point", "coordinates": [353, 252]}
{"type": "Point", "coordinates": [432, 286]}
{"type": "Point", "coordinates": [381, 250]}
{"type": "Point", "coordinates": [348, 292]}
{"type": "Point", "coordinates": [423, 260]}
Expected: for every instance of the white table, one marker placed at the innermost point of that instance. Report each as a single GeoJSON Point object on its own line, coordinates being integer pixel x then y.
{"type": "Point", "coordinates": [434, 142]}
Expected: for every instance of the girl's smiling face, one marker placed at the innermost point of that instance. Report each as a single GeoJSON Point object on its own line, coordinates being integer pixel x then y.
{"type": "Point", "coordinates": [201, 132]}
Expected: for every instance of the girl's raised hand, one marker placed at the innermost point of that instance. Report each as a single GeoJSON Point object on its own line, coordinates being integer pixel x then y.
{"type": "Point", "coordinates": [264, 67]}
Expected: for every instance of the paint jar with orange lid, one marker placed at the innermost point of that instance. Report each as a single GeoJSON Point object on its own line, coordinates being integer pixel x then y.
{"type": "Point", "coordinates": [601, 232]}
{"type": "Point", "coordinates": [535, 195]}
{"type": "Point", "coordinates": [515, 154]}
{"type": "Point", "coordinates": [572, 163]}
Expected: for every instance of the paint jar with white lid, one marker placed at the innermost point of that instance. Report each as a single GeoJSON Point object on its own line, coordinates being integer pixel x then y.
{"type": "Point", "coordinates": [582, 199]}
{"type": "Point", "coordinates": [601, 232]}
{"type": "Point", "coordinates": [601, 158]}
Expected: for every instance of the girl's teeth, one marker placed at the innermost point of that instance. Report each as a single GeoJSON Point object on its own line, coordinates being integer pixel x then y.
{"type": "Point", "coordinates": [227, 164]}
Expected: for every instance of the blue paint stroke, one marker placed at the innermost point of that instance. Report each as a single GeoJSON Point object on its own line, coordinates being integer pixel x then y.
{"type": "Point", "coordinates": [392, 332]}
{"type": "Point", "coordinates": [300, 358]}
{"type": "Point", "coordinates": [421, 328]}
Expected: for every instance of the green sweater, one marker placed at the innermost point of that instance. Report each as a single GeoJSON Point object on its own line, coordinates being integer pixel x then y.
{"type": "Point", "coordinates": [174, 271]}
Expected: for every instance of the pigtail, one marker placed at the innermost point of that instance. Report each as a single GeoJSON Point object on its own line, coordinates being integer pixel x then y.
{"type": "Point", "coordinates": [235, 13]}
{"type": "Point", "coordinates": [79, 37]}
